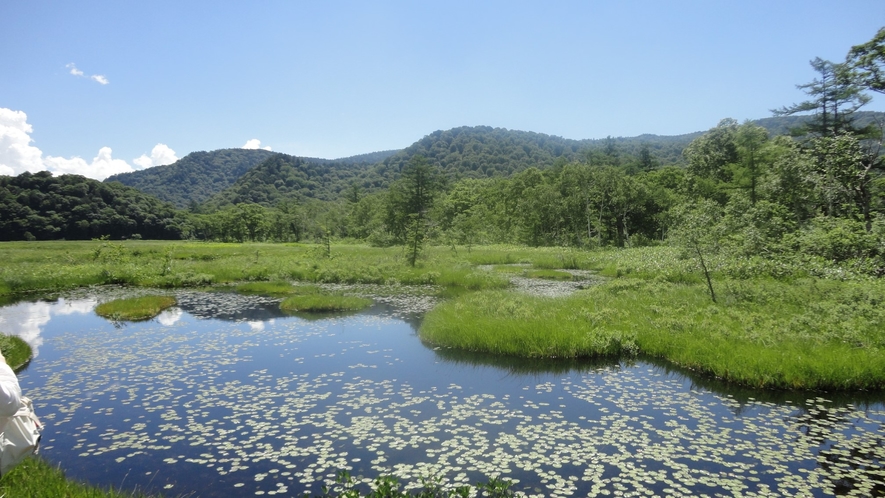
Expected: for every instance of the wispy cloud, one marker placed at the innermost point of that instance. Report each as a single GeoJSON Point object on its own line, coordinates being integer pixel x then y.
{"type": "Point", "coordinates": [98, 78]}
{"type": "Point", "coordinates": [255, 144]}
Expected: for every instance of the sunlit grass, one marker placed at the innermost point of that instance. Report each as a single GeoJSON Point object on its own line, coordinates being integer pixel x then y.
{"type": "Point", "coordinates": [267, 288]}
{"type": "Point", "coordinates": [134, 309]}
{"type": "Point", "coordinates": [36, 478]}
{"type": "Point", "coordinates": [316, 303]}
{"type": "Point", "coordinates": [16, 350]}
{"type": "Point", "coordinates": [808, 334]}
{"type": "Point", "coordinates": [549, 274]}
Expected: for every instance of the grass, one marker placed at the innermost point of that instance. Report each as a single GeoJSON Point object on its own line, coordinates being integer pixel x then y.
{"type": "Point", "coordinates": [549, 274]}
{"type": "Point", "coordinates": [134, 309]}
{"type": "Point", "coordinates": [803, 334]}
{"type": "Point", "coordinates": [58, 265]}
{"type": "Point", "coordinates": [273, 289]}
{"type": "Point", "coordinates": [36, 478]}
{"type": "Point", "coordinates": [798, 331]}
{"type": "Point", "coordinates": [16, 351]}
{"type": "Point", "coordinates": [321, 303]}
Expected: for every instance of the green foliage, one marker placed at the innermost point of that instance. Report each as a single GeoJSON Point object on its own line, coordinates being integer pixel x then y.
{"type": "Point", "coordinates": [36, 478]}
{"type": "Point", "coordinates": [134, 309]}
{"type": "Point", "coordinates": [267, 288]}
{"type": "Point", "coordinates": [320, 302]}
{"type": "Point", "coordinates": [16, 351]}
{"type": "Point", "coordinates": [868, 60]}
{"type": "Point", "coordinates": [194, 178]}
{"type": "Point", "coordinates": [807, 334]}
{"type": "Point", "coordinates": [39, 206]}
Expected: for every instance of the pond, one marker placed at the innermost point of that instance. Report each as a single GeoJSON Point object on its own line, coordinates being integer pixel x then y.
{"type": "Point", "coordinates": [224, 396]}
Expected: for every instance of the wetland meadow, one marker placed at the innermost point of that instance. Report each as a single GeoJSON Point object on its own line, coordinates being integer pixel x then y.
{"type": "Point", "coordinates": [561, 372]}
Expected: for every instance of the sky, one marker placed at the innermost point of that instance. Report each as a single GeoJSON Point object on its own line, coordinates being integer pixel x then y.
{"type": "Point", "coordinates": [102, 87]}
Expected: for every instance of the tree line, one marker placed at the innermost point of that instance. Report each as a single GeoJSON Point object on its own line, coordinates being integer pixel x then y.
{"type": "Point", "coordinates": [817, 192]}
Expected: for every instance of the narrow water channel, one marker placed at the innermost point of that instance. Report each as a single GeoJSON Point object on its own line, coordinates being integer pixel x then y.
{"type": "Point", "coordinates": [225, 396]}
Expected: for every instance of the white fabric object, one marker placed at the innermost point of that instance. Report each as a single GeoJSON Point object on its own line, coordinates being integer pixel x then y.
{"type": "Point", "coordinates": [20, 436]}
{"type": "Point", "coordinates": [10, 392]}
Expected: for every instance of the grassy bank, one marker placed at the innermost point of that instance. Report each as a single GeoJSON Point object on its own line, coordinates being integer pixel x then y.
{"type": "Point", "coordinates": [804, 334]}
{"type": "Point", "coordinates": [36, 478]}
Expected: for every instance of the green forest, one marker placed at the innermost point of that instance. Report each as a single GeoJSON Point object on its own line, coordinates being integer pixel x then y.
{"type": "Point", "coordinates": [803, 188]}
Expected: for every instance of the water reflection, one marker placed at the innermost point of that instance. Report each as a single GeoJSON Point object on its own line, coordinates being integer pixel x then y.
{"type": "Point", "coordinates": [241, 406]}
{"type": "Point", "coordinates": [27, 319]}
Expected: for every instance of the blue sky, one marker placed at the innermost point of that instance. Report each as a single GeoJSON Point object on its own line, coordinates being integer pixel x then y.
{"type": "Point", "coordinates": [98, 87]}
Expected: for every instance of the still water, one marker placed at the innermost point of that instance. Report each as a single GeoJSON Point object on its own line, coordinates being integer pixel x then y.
{"type": "Point", "coordinates": [226, 396]}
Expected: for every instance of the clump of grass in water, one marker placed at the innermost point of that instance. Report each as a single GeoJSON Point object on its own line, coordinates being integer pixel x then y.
{"type": "Point", "coordinates": [134, 309]}
{"type": "Point", "coordinates": [318, 302]}
{"type": "Point", "coordinates": [549, 274]}
{"type": "Point", "coordinates": [16, 351]}
{"type": "Point", "coordinates": [267, 288]}
{"type": "Point", "coordinates": [35, 477]}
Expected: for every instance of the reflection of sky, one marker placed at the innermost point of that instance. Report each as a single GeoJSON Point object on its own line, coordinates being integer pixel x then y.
{"type": "Point", "coordinates": [258, 326]}
{"type": "Point", "coordinates": [27, 320]}
{"type": "Point", "coordinates": [169, 316]}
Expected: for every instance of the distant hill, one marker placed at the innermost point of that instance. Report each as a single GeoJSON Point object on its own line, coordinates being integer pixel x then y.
{"type": "Point", "coordinates": [464, 152]}
{"type": "Point", "coordinates": [195, 177]}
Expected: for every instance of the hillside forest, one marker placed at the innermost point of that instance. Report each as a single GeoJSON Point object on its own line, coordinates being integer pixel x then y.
{"type": "Point", "coordinates": [802, 188]}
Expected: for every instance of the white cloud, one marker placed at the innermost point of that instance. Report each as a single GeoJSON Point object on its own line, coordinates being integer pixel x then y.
{"type": "Point", "coordinates": [161, 155]}
{"type": "Point", "coordinates": [17, 155]}
{"type": "Point", "coordinates": [98, 78]}
{"type": "Point", "coordinates": [101, 167]}
{"type": "Point", "coordinates": [74, 70]}
{"type": "Point", "coordinates": [170, 316]}
{"type": "Point", "coordinates": [255, 144]}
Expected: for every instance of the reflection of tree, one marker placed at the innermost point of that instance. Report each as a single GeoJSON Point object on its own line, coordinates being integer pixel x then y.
{"type": "Point", "coordinates": [523, 366]}
{"type": "Point", "coordinates": [853, 465]}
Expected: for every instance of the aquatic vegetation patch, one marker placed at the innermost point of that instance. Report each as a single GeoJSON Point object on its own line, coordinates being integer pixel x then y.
{"type": "Point", "coordinates": [16, 351]}
{"type": "Point", "coordinates": [805, 334]}
{"type": "Point", "coordinates": [135, 308]}
{"type": "Point", "coordinates": [549, 274]}
{"type": "Point", "coordinates": [320, 302]}
{"type": "Point", "coordinates": [277, 288]}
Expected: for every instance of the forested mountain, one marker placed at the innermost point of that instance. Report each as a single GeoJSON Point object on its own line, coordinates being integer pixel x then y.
{"type": "Point", "coordinates": [370, 158]}
{"type": "Point", "coordinates": [283, 177]}
{"type": "Point", "coordinates": [195, 177]}
{"type": "Point", "coordinates": [464, 152]}
{"type": "Point", "coordinates": [45, 207]}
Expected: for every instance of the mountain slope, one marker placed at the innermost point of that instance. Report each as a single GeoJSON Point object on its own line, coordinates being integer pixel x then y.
{"type": "Point", "coordinates": [283, 176]}
{"type": "Point", "coordinates": [195, 177]}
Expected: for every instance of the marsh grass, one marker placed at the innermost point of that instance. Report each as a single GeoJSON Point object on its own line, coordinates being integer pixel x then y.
{"type": "Point", "coordinates": [549, 274]}
{"type": "Point", "coordinates": [16, 351]}
{"type": "Point", "coordinates": [321, 303]}
{"type": "Point", "coordinates": [36, 478]}
{"type": "Point", "coordinates": [805, 334]}
{"type": "Point", "coordinates": [134, 309]}
{"type": "Point", "coordinates": [273, 289]}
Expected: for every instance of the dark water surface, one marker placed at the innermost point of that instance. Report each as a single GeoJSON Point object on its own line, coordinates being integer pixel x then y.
{"type": "Point", "coordinates": [225, 396]}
